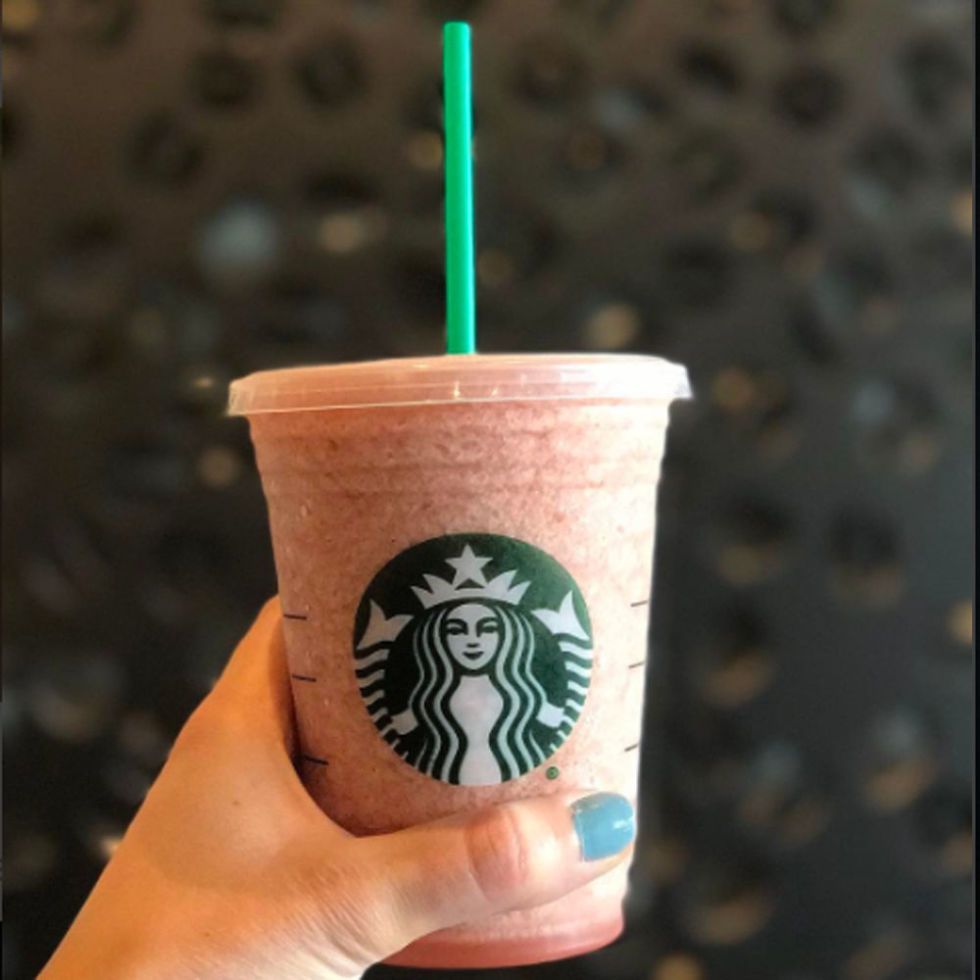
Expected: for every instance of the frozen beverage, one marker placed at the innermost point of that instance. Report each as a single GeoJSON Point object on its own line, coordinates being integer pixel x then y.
{"type": "Point", "coordinates": [464, 551]}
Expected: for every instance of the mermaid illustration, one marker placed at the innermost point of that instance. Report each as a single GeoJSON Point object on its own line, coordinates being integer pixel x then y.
{"type": "Point", "coordinates": [488, 690]}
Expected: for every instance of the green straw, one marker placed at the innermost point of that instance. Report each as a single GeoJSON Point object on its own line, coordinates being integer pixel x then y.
{"type": "Point", "coordinates": [458, 123]}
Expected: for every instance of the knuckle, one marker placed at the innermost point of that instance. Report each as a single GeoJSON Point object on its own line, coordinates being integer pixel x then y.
{"type": "Point", "coordinates": [500, 856]}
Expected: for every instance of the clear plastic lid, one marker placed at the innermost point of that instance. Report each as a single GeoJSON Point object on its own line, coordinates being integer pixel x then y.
{"type": "Point", "coordinates": [459, 378]}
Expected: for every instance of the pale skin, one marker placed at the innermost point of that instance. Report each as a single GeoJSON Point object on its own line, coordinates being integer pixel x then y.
{"type": "Point", "coordinates": [230, 870]}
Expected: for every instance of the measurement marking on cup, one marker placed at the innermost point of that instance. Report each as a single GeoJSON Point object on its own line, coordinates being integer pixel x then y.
{"type": "Point", "coordinates": [640, 602]}
{"type": "Point", "coordinates": [303, 677]}
{"type": "Point", "coordinates": [314, 760]}
{"type": "Point", "coordinates": [300, 616]}
{"type": "Point", "coordinates": [630, 748]}
{"type": "Point", "coordinates": [639, 663]}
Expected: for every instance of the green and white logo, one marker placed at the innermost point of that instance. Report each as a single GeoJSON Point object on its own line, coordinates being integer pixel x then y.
{"type": "Point", "coordinates": [473, 654]}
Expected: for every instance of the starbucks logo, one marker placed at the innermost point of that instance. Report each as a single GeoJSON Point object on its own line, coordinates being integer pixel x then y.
{"type": "Point", "coordinates": [473, 654]}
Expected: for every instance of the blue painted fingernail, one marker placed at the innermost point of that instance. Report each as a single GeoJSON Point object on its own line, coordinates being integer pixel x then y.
{"type": "Point", "coordinates": [605, 824]}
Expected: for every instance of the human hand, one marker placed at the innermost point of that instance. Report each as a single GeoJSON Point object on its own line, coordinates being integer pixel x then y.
{"type": "Point", "coordinates": [229, 869]}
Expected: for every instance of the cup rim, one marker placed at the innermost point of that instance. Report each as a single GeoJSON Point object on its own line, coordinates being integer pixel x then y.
{"type": "Point", "coordinates": [459, 379]}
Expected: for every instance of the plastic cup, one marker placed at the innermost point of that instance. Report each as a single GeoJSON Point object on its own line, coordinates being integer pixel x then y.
{"type": "Point", "coordinates": [464, 552]}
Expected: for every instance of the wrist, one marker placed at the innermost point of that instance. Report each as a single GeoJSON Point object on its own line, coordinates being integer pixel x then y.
{"type": "Point", "coordinates": [126, 952]}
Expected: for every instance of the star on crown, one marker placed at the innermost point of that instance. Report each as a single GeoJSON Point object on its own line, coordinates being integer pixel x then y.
{"type": "Point", "coordinates": [468, 568]}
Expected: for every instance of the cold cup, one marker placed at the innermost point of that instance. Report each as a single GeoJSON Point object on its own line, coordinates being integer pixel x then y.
{"type": "Point", "coordinates": [464, 552]}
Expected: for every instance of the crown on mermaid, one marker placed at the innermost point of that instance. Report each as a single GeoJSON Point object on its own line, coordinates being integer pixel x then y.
{"type": "Point", "coordinates": [469, 569]}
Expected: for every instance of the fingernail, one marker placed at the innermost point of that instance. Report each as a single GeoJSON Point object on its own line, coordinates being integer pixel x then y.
{"type": "Point", "coordinates": [605, 824]}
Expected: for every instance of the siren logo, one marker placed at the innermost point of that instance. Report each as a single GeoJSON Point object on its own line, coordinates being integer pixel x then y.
{"type": "Point", "coordinates": [473, 654]}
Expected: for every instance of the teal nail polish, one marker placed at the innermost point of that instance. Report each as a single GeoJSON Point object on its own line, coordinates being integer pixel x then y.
{"type": "Point", "coordinates": [605, 824]}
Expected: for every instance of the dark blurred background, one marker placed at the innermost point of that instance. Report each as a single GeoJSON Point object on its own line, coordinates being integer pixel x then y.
{"type": "Point", "coordinates": [777, 194]}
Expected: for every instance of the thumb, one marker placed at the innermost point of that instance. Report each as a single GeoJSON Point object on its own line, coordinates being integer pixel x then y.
{"type": "Point", "coordinates": [512, 856]}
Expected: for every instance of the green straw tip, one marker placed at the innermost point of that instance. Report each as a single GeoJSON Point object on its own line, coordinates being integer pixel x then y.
{"type": "Point", "coordinates": [457, 116]}
{"type": "Point", "coordinates": [456, 34]}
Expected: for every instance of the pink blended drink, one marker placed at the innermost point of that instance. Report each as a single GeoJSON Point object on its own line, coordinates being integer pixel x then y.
{"type": "Point", "coordinates": [464, 549]}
